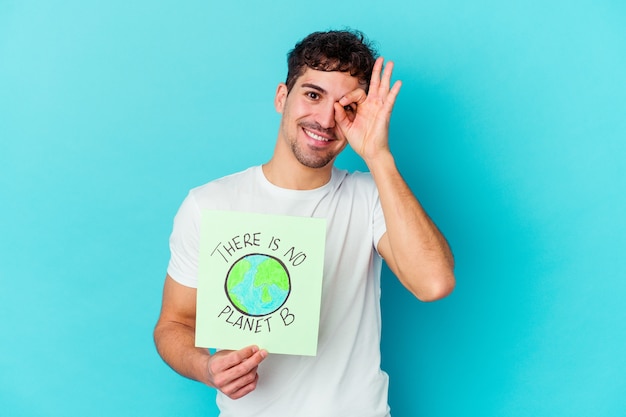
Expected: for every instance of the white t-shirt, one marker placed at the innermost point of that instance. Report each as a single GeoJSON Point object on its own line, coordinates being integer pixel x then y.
{"type": "Point", "coordinates": [344, 379]}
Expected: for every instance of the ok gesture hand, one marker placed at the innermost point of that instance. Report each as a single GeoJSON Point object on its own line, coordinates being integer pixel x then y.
{"type": "Point", "coordinates": [368, 130]}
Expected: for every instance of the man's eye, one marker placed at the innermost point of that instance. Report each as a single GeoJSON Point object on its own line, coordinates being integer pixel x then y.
{"type": "Point", "coordinates": [312, 95]}
{"type": "Point", "coordinates": [348, 109]}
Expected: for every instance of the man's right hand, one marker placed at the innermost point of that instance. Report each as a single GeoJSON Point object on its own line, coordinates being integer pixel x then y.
{"type": "Point", "coordinates": [234, 372]}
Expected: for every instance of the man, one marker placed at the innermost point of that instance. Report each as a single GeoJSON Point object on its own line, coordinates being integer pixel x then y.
{"type": "Point", "coordinates": [336, 93]}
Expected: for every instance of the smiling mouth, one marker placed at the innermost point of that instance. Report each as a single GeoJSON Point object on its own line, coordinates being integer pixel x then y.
{"type": "Point", "coordinates": [316, 137]}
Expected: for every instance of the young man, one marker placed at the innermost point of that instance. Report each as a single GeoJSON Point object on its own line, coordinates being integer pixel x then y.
{"type": "Point", "coordinates": [336, 93]}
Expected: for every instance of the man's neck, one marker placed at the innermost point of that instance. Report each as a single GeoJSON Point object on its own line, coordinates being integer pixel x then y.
{"type": "Point", "coordinates": [296, 176]}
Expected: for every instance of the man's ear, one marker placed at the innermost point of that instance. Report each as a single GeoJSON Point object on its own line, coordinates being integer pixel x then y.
{"type": "Point", "coordinates": [281, 97]}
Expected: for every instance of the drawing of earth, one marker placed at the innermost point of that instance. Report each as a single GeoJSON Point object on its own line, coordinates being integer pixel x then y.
{"type": "Point", "coordinates": [258, 284]}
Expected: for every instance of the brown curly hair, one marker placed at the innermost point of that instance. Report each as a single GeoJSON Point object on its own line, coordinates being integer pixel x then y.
{"type": "Point", "coordinates": [336, 50]}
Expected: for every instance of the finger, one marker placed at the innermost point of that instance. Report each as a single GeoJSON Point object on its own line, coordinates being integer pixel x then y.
{"type": "Point", "coordinates": [244, 390]}
{"type": "Point", "coordinates": [246, 366]}
{"type": "Point", "coordinates": [391, 97]}
{"type": "Point", "coordinates": [386, 77]}
{"type": "Point", "coordinates": [343, 120]}
{"type": "Point", "coordinates": [241, 376]}
{"type": "Point", "coordinates": [253, 361]}
{"type": "Point", "coordinates": [230, 358]}
{"type": "Point", "coordinates": [375, 80]}
{"type": "Point", "coordinates": [340, 115]}
{"type": "Point", "coordinates": [357, 96]}
{"type": "Point", "coordinates": [234, 377]}
{"type": "Point", "coordinates": [240, 383]}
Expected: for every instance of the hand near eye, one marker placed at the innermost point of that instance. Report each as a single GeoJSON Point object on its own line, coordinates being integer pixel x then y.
{"type": "Point", "coordinates": [368, 130]}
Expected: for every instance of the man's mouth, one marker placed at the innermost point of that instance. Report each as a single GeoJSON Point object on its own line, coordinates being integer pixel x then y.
{"type": "Point", "coordinates": [316, 137]}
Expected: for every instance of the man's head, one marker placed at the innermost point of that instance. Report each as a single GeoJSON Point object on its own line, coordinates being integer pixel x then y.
{"type": "Point", "coordinates": [323, 68]}
{"type": "Point", "coordinates": [344, 51]}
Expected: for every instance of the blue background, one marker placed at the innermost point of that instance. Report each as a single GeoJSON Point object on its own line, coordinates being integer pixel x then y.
{"type": "Point", "coordinates": [510, 128]}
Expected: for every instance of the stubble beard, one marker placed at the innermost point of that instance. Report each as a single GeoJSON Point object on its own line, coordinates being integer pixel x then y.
{"type": "Point", "coordinates": [308, 156]}
{"type": "Point", "coordinates": [309, 159]}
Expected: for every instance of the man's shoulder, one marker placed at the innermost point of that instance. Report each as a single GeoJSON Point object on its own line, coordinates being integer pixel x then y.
{"type": "Point", "coordinates": [355, 185]}
{"type": "Point", "coordinates": [353, 178]}
{"type": "Point", "coordinates": [227, 182]}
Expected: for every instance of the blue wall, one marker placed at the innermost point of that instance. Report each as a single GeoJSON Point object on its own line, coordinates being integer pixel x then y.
{"type": "Point", "coordinates": [510, 128]}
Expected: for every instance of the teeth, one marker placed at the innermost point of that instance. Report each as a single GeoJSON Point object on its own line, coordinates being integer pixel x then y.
{"type": "Point", "coordinates": [314, 136]}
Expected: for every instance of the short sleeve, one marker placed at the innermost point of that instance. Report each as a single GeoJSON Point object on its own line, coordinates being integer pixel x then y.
{"type": "Point", "coordinates": [185, 243]}
{"type": "Point", "coordinates": [379, 227]}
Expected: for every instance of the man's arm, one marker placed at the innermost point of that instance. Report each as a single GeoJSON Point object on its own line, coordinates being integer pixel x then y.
{"type": "Point", "coordinates": [232, 372]}
{"type": "Point", "coordinates": [413, 247]}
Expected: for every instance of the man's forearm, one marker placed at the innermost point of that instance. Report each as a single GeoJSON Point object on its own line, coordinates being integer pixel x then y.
{"type": "Point", "coordinates": [175, 342]}
{"type": "Point", "coordinates": [419, 254]}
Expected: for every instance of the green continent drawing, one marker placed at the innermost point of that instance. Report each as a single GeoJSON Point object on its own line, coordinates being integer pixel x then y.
{"type": "Point", "coordinates": [258, 284]}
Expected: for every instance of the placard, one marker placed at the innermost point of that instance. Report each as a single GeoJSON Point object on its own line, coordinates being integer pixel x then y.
{"type": "Point", "coordinates": [260, 281]}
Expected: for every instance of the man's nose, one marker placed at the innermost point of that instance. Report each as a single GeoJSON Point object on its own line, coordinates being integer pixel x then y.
{"type": "Point", "coordinates": [326, 115]}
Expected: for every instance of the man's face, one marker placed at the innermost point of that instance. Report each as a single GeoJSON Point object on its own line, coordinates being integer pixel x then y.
{"type": "Point", "coordinates": [308, 126]}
